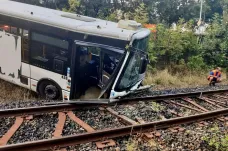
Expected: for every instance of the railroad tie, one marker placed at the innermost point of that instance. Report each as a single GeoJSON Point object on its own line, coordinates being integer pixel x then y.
{"type": "Point", "coordinates": [223, 104]}
{"type": "Point", "coordinates": [11, 131]}
{"type": "Point", "coordinates": [59, 128]}
{"type": "Point", "coordinates": [182, 105]}
{"type": "Point", "coordinates": [210, 102]}
{"type": "Point", "coordinates": [200, 107]}
{"type": "Point", "coordinates": [127, 121]}
{"type": "Point", "coordinates": [220, 96]}
{"type": "Point", "coordinates": [60, 125]}
{"type": "Point", "coordinates": [195, 104]}
{"type": "Point", "coordinates": [88, 128]}
{"type": "Point", "coordinates": [175, 113]}
{"type": "Point", "coordinates": [149, 135]}
{"type": "Point", "coordinates": [201, 124]}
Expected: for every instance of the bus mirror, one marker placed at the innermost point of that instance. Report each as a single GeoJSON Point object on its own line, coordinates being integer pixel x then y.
{"type": "Point", "coordinates": [144, 65]}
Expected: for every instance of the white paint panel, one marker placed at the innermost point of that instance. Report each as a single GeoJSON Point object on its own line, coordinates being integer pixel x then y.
{"type": "Point", "coordinates": [33, 85]}
{"type": "Point", "coordinates": [10, 57]}
{"type": "Point", "coordinates": [66, 95]}
{"type": "Point", "coordinates": [25, 69]}
{"type": "Point", "coordinates": [38, 74]}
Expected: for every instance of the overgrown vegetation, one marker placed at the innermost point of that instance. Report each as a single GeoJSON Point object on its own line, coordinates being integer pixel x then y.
{"type": "Point", "coordinates": [11, 92]}
{"type": "Point", "coordinates": [216, 139]}
{"type": "Point", "coordinates": [164, 79]}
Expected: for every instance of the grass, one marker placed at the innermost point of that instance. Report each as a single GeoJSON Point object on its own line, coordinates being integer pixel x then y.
{"type": "Point", "coordinates": [163, 79]}
{"type": "Point", "coordinates": [11, 92]}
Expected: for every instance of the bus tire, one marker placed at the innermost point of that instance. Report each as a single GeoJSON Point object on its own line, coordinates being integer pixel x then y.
{"type": "Point", "coordinates": [49, 90]}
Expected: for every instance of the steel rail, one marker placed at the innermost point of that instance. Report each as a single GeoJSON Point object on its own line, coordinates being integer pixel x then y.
{"type": "Point", "coordinates": [41, 110]}
{"type": "Point", "coordinates": [58, 143]}
{"type": "Point", "coordinates": [73, 105]}
{"type": "Point", "coordinates": [146, 98]}
{"type": "Point", "coordinates": [173, 96]}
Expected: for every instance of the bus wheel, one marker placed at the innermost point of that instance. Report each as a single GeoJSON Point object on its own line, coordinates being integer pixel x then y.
{"type": "Point", "coordinates": [49, 90]}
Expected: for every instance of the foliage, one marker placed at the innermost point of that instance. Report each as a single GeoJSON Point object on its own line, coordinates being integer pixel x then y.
{"type": "Point", "coordinates": [72, 6]}
{"type": "Point", "coordinates": [196, 63]}
{"type": "Point", "coordinates": [177, 49]}
{"type": "Point", "coordinates": [214, 48]}
{"type": "Point", "coordinates": [140, 14]}
{"type": "Point", "coordinates": [132, 145]}
{"type": "Point", "coordinates": [170, 11]}
{"type": "Point", "coordinates": [215, 139]}
{"type": "Point", "coordinates": [159, 11]}
{"type": "Point", "coordinates": [173, 46]}
{"type": "Point", "coordinates": [156, 107]}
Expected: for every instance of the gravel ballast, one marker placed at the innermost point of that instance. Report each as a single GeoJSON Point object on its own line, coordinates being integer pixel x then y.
{"type": "Point", "coordinates": [5, 124]}
{"type": "Point", "coordinates": [41, 127]}
{"type": "Point", "coordinates": [98, 119]}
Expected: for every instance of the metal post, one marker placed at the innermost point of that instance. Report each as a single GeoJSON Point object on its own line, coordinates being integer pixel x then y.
{"type": "Point", "coordinates": [201, 10]}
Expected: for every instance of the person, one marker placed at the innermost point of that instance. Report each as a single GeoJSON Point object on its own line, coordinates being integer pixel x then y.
{"type": "Point", "coordinates": [215, 76]}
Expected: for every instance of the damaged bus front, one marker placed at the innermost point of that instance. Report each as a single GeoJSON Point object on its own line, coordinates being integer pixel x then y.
{"type": "Point", "coordinates": [134, 66]}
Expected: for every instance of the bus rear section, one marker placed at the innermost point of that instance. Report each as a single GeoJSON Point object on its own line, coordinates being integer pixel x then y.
{"type": "Point", "coordinates": [11, 45]}
{"type": "Point", "coordinates": [35, 61]}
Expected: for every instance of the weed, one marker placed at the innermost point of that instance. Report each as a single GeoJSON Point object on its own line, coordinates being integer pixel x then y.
{"type": "Point", "coordinates": [164, 79]}
{"type": "Point", "coordinates": [156, 107]}
{"type": "Point", "coordinates": [216, 139]}
{"type": "Point", "coordinates": [12, 92]}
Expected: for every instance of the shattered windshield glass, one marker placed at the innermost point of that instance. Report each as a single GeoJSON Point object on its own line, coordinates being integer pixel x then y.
{"type": "Point", "coordinates": [131, 74]}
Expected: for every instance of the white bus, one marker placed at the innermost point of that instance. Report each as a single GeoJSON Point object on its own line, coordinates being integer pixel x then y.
{"type": "Point", "coordinates": [64, 55]}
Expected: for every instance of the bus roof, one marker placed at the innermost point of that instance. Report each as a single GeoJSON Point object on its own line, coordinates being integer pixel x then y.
{"type": "Point", "coordinates": [65, 20]}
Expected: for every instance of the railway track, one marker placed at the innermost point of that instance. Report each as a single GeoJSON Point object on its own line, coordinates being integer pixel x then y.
{"type": "Point", "coordinates": [102, 122]}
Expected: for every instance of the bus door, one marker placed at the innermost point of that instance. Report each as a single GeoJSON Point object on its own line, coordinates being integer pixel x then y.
{"type": "Point", "coordinates": [93, 68]}
{"type": "Point", "coordinates": [85, 70]}
{"type": "Point", "coordinates": [110, 66]}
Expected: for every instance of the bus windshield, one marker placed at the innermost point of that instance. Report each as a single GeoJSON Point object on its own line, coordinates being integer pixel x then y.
{"type": "Point", "coordinates": [141, 44]}
{"type": "Point", "coordinates": [133, 72]}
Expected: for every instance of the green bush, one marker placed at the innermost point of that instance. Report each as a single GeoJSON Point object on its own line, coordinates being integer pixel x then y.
{"type": "Point", "coordinates": [196, 63]}
{"type": "Point", "coordinates": [216, 139]}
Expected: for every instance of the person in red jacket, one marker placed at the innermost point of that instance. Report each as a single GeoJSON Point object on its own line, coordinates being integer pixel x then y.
{"type": "Point", "coordinates": [215, 76]}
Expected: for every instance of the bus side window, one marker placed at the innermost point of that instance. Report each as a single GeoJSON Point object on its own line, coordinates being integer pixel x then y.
{"type": "Point", "coordinates": [14, 30]}
{"type": "Point", "coordinates": [10, 29]}
{"type": "Point", "coordinates": [24, 45]}
{"type": "Point", "coordinates": [50, 53]}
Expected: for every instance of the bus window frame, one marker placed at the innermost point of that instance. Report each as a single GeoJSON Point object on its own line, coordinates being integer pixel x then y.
{"type": "Point", "coordinates": [29, 44]}
{"type": "Point", "coordinates": [69, 50]}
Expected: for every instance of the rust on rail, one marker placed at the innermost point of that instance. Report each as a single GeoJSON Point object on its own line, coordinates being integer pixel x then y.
{"type": "Point", "coordinates": [217, 102]}
{"type": "Point", "coordinates": [122, 118]}
{"type": "Point", "coordinates": [200, 107]}
{"type": "Point", "coordinates": [182, 105]}
{"type": "Point", "coordinates": [210, 102]}
{"type": "Point", "coordinates": [111, 133]}
{"type": "Point", "coordinates": [195, 104]}
{"type": "Point", "coordinates": [88, 128]}
{"type": "Point", "coordinates": [220, 96]}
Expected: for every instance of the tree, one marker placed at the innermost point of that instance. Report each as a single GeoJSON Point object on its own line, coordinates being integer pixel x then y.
{"type": "Point", "coordinates": [72, 6]}
{"type": "Point", "coordinates": [140, 14]}
{"type": "Point", "coordinates": [169, 11]}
